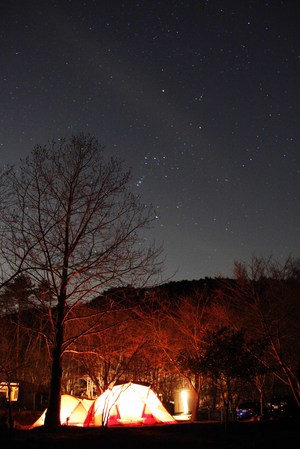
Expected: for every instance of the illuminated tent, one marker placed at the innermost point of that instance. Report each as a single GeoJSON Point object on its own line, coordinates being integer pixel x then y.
{"type": "Point", "coordinates": [73, 411]}
{"type": "Point", "coordinates": [127, 404]}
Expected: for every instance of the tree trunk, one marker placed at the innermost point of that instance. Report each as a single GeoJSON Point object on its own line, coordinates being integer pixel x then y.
{"type": "Point", "coordinates": [10, 415]}
{"type": "Point", "coordinates": [196, 400]}
{"type": "Point", "coordinates": [52, 418]}
{"type": "Point", "coordinates": [194, 415]}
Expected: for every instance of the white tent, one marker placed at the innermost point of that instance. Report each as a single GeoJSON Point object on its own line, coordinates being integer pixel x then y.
{"type": "Point", "coordinates": [127, 404]}
{"type": "Point", "coordinates": [73, 411]}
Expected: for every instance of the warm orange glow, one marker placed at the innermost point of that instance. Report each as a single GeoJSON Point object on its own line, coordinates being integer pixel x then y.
{"type": "Point", "coordinates": [184, 399]}
{"type": "Point", "coordinates": [73, 412]}
{"type": "Point", "coordinates": [128, 404]}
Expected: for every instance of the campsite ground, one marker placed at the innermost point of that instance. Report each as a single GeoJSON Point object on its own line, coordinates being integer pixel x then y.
{"type": "Point", "coordinates": [203, 435]}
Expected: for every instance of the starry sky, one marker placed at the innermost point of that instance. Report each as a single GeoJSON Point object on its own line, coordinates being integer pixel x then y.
{"type": "Point", "coordinates": [199, 97]}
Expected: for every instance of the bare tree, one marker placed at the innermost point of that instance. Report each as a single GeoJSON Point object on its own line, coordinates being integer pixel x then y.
{"type": "Point", "coordinates": [264, 299]}
{"type": "Point", "coordinates": [8, 271]}
{"type": "Point", "coordinates": [104, 355]}
{"type": "Point", "coordinates": [178, 328]}
{"type": "Point", "coordinates": [73, 223]}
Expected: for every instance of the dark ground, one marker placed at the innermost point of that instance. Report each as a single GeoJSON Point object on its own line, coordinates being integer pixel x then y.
{"type": "Point", "coordinates": [203, 435]}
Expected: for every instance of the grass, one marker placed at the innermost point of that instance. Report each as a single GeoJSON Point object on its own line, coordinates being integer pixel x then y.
{"type": "Point", "coordinates": [202, 435]}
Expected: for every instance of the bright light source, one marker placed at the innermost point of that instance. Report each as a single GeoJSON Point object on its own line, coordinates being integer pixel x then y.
{"type": "Point", "coordinates": [184, 399]}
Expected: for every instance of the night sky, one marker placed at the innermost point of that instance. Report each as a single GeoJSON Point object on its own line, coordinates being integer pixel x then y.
{"type": "Point", "coordinates": [200, 98]}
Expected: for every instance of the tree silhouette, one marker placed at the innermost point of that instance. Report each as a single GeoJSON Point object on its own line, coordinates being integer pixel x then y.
{"type": "Point", "coordinates": [264, 300]}
{"type": "Point", "coordinates": [74, 225]}
{"type": "Point", "coordinates": [228, 358]}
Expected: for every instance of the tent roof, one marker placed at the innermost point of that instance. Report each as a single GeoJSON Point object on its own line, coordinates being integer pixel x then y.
{"type": "Point", "coordinates": [128, 403]}
{"type": "Point", "coordinates": [73, 411]}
